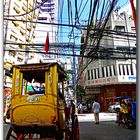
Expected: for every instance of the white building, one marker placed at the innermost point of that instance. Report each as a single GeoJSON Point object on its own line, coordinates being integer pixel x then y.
{"type": "Point", "coordinates": [19, 32]}
{"type": "Point", "coordinates": [48, 14]}
{"type": "Point", "coordinates": [106, 78]}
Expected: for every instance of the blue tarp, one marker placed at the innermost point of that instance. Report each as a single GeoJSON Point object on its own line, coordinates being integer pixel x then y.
{"type": "Point", "coordinates": [133, 110]}
{"type": "Point", "coordinates": [123, 97]}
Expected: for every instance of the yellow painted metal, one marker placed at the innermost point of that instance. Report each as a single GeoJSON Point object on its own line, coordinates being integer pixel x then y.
{"type": "Point", "coordinates": [37, 109]}
{"type": "Point", "coordinates": [15, 81]}
{"type": "Point", "coordinates": [25, 112]}
{"type": "Point", "coordinates": [55, 79]}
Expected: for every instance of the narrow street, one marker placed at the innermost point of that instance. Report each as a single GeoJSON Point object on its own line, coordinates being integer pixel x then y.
{"type": "Point", "coordinates": [106, 130]}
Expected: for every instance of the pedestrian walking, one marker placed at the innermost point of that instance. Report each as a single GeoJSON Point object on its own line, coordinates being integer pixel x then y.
{"type": "Point", "coordinates": [80, 108]}
{"type": "Point", "coordinates": [96, 110]}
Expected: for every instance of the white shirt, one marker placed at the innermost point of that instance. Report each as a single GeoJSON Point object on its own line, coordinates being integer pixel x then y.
{"type": "Point", "coordinates": [80, 106]}
{"type": "Point", "coordinates": [96, 107]}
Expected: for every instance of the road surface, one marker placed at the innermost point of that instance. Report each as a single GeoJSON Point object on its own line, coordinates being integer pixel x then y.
{"type": "Point", "coordinates": [106, 130]}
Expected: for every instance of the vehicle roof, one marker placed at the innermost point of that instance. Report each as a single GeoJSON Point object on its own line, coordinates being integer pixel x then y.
{"type": "Point", "coordinates": [37, 70]}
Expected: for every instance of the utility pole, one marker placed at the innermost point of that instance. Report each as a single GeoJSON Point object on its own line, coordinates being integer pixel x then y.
{"type": "Point", "coordinates": [125, 18]}
{"type": "Point", "coordinates": [74, 80]}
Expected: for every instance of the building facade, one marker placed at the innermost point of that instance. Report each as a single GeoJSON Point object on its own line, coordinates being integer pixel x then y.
{"type": "Point", "coordinates": [19, 32]}
{"type": "Point", "coordinates": [48, 15]}
{"type": "Point", "coordinates": [115, 75]}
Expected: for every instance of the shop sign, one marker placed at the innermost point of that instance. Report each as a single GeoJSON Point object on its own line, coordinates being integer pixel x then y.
{"type": "Point", "coordinates": [132, 77]}
{"type": "Point", "coordinates": [127, 78]}
{"type": "Point", "coordinates": [92, 90]}
{"type": "Point", "coordinates": [102, 81]}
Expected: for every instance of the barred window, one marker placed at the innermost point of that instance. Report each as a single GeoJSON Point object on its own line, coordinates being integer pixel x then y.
{"type": "Point", "coordinates": [88, 75]}
{"type": "Point", "coordinates": [103, 73]}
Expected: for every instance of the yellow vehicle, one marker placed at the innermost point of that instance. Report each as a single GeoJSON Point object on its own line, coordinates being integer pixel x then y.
{"type": "Point", "coordinates": [37, 103]}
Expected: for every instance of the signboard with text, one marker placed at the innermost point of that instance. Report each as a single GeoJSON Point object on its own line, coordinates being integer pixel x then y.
{"type": "Point", "coordinates": [101, 81]}
{"type": "Point", "coordinates": [111, 80]}
{"type": "Point", "coordinates": [131, 78]}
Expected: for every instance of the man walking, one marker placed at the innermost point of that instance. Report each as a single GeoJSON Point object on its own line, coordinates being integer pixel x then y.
{"type": "Point", "coordinates": [96, 110]}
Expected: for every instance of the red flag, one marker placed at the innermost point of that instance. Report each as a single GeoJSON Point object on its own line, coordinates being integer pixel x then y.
{"type": "Point", "coordinates": [133, 11]}
{"type": "Point", "coordinates": [47, 44]}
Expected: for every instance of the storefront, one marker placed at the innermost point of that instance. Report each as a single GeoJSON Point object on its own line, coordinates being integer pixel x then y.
{"type": "Point", "coordinates": [106, 89]}
{"type": "Point", "coordinates": [109, 92]}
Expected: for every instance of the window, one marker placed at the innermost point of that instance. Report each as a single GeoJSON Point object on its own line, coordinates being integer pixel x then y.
{"type": "Point", "coordinates": [131, 68]}
{"type": "Point", "coordinates": [123, 69]}
{"type": "Point", "coordinates": [30, 7]}
{"type": "Point", "coordinates": [120, 28]}
{"type": "Point", "coordinates": [114, 70]}
{"type": "Point", "coordinates": [108, 27]}
{"type": "Point", "coordinates": [88, 75]}
{"type": "Point", "coordinates": [16, 10]}
{"type": "Point", "coordinates": [119, 69]}
{"type": "Point", "coordinates": [19, 59]}
{"type": "Point", "coordinates": [34, 26]}
{"type": "Point", "coordinates": [107, 72]}
{"type": "Point", "coordinates": [28, 40]}
{"type": "Point", "coordinates": [34, 16]}
{"type": "Point", "coordinates": [103, 73]}
{"type": "Point", "coordinates": [23, 20]}
{"type": "Point", "coordinates": [42, 18]}
{"type": "Point", "coordinates": [15, 23]}
{"type": "Point", "coordinates": [133, 49]}
{"type": "Point", "coordinates": [32, 88]}
{"type": "Point", "coordinates": [13, 38]}
{"type": "Point", "coordinates": [12, 53]}
{"type": "Point", "coordinates": [29, 17]}
{"type": "Point", "coordinates": [29, 29]}
{"type": "Point", "coordinates": [95, 73]}
{"type": "Point", "coordinates": [21, 46]}
{"type": "Point", "coordinates": [127, 69]}
{"type": "Point", "coordinates": [33, 36]}
{"type": "Point", "coordinates": [24, 8]}
{"type": "Point", "coordinates": [133, 29]}
{"type": "Point", "coordinates": [110, 69]}
{"type": "Point", "coordinates": [91, 74]}
{"type": "Point", "coordinates": [98, 74]}
{"type": "Point", "coordinates": [22, 32]}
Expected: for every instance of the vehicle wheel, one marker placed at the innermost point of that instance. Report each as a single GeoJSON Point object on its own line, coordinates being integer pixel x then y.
{"type": "Point", "coordinates": [60, 135]}
{"type": "Point", "coordinates": [128, 123]}
{"type": "Point", "coordinates": [11, 134]}
{"type": "Point", "coordinates": [128, 126]}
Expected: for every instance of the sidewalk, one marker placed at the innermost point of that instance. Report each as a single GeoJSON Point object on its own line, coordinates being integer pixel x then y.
{"type": "Point", "coordinates": [104, 116]}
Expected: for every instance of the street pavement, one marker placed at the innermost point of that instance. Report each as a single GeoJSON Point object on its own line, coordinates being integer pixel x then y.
{"type": "Point", "coordinates": [107, 129]}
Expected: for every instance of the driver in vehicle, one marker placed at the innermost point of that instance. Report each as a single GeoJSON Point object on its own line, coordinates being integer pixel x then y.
{"type": "Point", "coordinates": [36, 90]}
